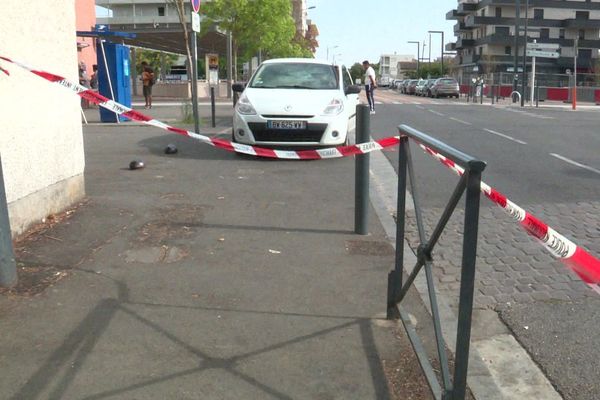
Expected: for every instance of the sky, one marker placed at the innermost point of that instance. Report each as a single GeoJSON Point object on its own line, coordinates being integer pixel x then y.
{"type": "Point", "coordinates": [365, 29]}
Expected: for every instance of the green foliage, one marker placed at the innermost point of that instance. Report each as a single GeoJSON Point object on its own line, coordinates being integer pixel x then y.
{"type": "Point", "coordinates": [427, 71]}
{"type": "Point", "coordinates": [265, 25]}
{"type": "Point", "coordinates": [153, 58]}
{"type": "Point", "coordinates": [357, 71]}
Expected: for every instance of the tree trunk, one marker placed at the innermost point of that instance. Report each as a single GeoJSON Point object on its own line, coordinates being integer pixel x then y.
{"type": "Point", "coordinates": [234, 46]}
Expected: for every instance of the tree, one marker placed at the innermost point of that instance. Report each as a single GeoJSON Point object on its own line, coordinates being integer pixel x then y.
{"type": "Point", "coordinates": [154, 59]}
{"type": "Point", "coordinates": [180, 5]}
{"type": "Point", "coordinates": [256, 25]}
{"type": "Point", "coordinates": [357, 71]}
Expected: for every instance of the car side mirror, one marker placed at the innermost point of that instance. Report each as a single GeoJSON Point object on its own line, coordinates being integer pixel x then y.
{"type": "Point", "coordinates": [238, 87]}
{"type": "Point", "coordinates": [352, 89]}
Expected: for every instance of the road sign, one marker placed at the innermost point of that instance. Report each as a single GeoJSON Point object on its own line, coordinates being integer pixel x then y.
{"type": "Point", "coordinates": [543, 46]}
{"type": "Point", "coordinates": [543, 54]}
{"type": "Point", "coordinates": [196, 22]}
{"type": "Point", "coordinates": [195, 5]}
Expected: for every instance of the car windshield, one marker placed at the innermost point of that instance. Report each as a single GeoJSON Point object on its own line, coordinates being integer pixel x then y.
{"type": "Point", "coordinates": [295, 76]}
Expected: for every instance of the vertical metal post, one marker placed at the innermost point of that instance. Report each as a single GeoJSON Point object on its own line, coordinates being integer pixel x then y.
{"type": "Point", "coordinates": [443, 53]}
{"type": "Point", "coordinates": [493, 93]}
{"type": "Point", "coordinates": [574, 96]}
{"type": "Point", "coordinates": [395, 276]}
{"type": "Point", "coordinates": [229, 65]}
{"type": "Point", "coordinates": [531, 95]}
{"type": "Point", "coordinates": [8, 265]}
{"type": "Point", "coordinates": [361, 177]}
{"type": "Point", "coordinates": [481, 92]}
{"type": "Point", "coordinates": [467, 284]}
{"type": "Point", "coordinates": [524, 72]}
{"type": "Point", "coordinates": [212, 106]}
{"type": "Point", "coordinates": [194, 71]}
{"type": "Point", "coordinates": [516, 63]}
{"type": "Point", "coordinates": [537, 95]}
{"type": "Point", "coordinates": [110, 86]}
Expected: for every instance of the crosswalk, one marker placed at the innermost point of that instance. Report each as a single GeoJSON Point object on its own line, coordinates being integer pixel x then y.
{"type": "Point", "coordinates": [392, 97]}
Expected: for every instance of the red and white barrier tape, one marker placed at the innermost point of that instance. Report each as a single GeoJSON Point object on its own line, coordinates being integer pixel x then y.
{"type": "Point", "coordinates": [94, 97]}
{"type": "Point", "coordinates": [573, 256]}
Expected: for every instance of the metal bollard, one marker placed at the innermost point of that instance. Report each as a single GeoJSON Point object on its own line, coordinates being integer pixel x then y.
{"type": "Point", "coordinates": [212, 106]}
{"type": "Point", "coordinates": [493, 93]}
{"type": "Point", "coordinates": [8, 265]}
{"type": "Point", "coordinates": [481, 93]}
{"type": "Point", "coordinates": [361, 172]}
{"type": "Point", "coordinates": [537, 97]}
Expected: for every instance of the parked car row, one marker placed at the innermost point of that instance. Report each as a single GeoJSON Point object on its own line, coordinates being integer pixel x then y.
{"type": "Point", "coordinates": [440, 87]}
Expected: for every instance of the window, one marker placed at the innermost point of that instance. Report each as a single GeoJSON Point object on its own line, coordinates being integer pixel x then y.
{"type": "Point", "coordinates": [544, 33]}
{"type": "Point", "coordinates": [508, 50]}
{"type": "Point", "coordinates": [502, 30]}
{"type": "Point", "coordinates": [585, 15]}
{"type": "Point", "coordinates": [483, 12]}
{"type": "Point", "coordinates": [498, 12]}
{"type": "Point", "coordinates": [347, 81]}
{"type": "Point", "coordinates": [480, 50]}
{"type": "Point", "coordinates": [561, 34]}
{"type": "Point", "coordinates": [161, 11]}
{"type": "Point", "coordinates": [538, 13]}
{"type": "Point", "coordinates": [581, 34]}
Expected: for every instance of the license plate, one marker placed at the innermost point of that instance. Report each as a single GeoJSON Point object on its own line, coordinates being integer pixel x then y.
{"type": "Point", "coordinates": [286, 124]}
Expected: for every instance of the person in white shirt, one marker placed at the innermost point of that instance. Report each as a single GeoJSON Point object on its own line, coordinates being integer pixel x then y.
{"type": "Point", "coordinates": [370, 85]}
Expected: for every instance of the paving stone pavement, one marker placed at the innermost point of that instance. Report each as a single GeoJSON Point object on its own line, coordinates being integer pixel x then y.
{"type": "Point", "coordinates": [512, 267]}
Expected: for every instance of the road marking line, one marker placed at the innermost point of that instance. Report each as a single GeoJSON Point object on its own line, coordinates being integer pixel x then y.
{"type": "Point", "coordinates": [437, 113]}
{"type": "Point", "coordinates": [396, 102]}
{"type": "Point", "coordinates": [565, 159]}
{"type": "Point", "coordinates": [461, 121]}
{"type": "Point", "coordinates": [419, 107]}
{"type": "Point", "coordinates": [378, 102]}
{"type": "Point", "coordinates": [504, 136]}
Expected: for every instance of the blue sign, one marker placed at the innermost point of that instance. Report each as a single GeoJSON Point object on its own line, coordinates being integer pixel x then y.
{"type": "Point", "coordinates": [196, 5]}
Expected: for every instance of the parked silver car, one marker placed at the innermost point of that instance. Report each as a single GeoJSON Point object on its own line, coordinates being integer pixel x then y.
{"type": "Point", "coordinates": [447, 87]}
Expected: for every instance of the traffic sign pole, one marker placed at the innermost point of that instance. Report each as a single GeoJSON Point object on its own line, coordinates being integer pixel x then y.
{"type": "Point", "coordinates": [532, 79]}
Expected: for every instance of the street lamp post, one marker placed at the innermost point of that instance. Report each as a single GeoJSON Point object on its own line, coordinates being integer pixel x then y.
{"type": "Point", "coordinates": [516, 64]}
{"type": "Point", "coordinates": [332, 48]}
{"type": "Point", "coordinates": [442, 53]}
{"type": "Point", "coordinates": [524, 72]}
{"type": "Point", "coordinates": [418, 53]}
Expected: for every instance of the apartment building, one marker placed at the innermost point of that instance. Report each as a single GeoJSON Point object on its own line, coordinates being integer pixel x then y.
{"type": "Point", "coordinates": [485, 31]}
{"type": "Point", "coordinates": [304, 26]}
{"type": "Point", "coordinates": [389, 64]}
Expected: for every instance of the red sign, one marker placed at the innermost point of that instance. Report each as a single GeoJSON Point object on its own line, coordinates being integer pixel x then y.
{"type": "Point", "coordinates": [196, 5]}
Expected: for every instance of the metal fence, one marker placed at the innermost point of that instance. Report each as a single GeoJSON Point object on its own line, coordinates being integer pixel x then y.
{"type": "Point", "coordinates": [470, 181]}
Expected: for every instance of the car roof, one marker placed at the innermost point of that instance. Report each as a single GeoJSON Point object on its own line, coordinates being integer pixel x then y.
{"type": "Point", "coordinates": [297, 60]}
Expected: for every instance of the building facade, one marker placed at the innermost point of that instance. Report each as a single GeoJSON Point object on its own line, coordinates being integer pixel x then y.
{"type": "Point", "coordinates": [389, 64]}
{"type": "Point", "coordinates": [485, 31]}
{"type": "Point", "coordinates": [41, 141]}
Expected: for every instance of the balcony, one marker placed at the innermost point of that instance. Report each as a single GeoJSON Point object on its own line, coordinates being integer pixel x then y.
{"type": "Point", "coordinates": [461, 27]}
{"type": "Point", "coordinates": [450, 47]}
{"type": "Point", "coordinates": [582, 23]}
{"type": "Point", "coordinates": [452, 14]}
{"type": "Point", "coordinates": [462, 43]}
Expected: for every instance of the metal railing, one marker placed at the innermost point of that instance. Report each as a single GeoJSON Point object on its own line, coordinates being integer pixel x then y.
{"type": "Point", "coordinates": [470, 182]}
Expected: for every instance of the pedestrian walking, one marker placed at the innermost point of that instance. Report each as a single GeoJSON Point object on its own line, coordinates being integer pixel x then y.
{"type": "Point", "coordinates": [147, 83]}
{"type": "Point", "coordinates": [370, 85]}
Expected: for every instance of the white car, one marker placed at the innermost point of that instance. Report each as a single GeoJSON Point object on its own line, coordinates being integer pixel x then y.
{"type": "Point", "coordinates": [296, 101]}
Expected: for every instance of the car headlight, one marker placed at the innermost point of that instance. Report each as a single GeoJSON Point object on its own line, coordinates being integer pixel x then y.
{"type": "Point", "coordinates": [335, 107]}
{"type": "Point", "coordinates": [244, 106]}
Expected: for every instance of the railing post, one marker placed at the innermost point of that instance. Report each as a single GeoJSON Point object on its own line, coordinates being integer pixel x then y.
{"type": "Point", "coordinates": [8, 265]}
{"type": "Point", "coordinates": [467, 284]}
{"type": "Point", "coordinates": [212, 105]}
{"type": "Point", "coordinates": [361, 172]}
{"type": "Point", "coordinates": [493, 93]}
{"type": "Point", "coordinates": [395, 276]}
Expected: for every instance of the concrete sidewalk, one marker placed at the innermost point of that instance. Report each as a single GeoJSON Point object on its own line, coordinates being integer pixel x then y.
{"type": "Point", "coordinates": [205, 275]}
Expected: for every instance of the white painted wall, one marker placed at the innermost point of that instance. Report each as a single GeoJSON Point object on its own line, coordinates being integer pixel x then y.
{"type": "Point", "coordinates": [41, 139]}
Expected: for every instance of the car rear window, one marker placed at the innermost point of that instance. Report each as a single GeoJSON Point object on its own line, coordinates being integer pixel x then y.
{"type": "Point", "coordinates": [448, 82]}
{"type": "Point", "coordinates": [295, 76]}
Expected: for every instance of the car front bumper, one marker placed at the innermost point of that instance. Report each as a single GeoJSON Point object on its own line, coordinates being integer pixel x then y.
{"type": "Point", "coordinates": [320, 131]}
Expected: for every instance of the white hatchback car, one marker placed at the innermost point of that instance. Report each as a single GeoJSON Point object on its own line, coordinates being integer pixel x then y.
{"type": "Point", "coordinates": [298, 102]}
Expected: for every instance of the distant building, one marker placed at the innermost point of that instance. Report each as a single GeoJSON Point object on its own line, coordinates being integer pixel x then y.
{"type": "Point", "coordinates": [485, 31]}
{"type": "Point", "coordinates": [388, 64]}
{"type": "Point", "coordinates": [305, 28]}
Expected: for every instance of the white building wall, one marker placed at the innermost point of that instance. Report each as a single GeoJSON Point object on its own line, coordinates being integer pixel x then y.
{"type": "Point", "coordinates": [41, 141]}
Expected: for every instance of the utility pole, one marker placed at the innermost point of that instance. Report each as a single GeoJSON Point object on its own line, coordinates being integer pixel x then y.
{"type": "Point", "coordinates": [418, 53]}
{"type": "Point", "coordinates": [442, 52]}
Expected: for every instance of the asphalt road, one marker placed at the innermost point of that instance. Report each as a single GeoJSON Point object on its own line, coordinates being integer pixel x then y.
{"type": "Point", "coordinates": [545, 160]}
